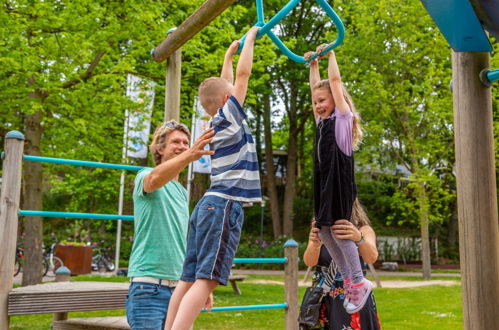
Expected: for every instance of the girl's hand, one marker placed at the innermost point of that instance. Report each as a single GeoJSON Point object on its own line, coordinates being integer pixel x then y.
{"type": "Point", "coordinates": [313, 236]}
{"type": "Point", "coordinates": [344, 229]}
{"type": "Point", "coordinates": [308, 55]}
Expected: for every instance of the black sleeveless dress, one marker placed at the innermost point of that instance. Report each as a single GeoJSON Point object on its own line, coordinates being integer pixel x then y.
{"type": "Point", "coordinates": [333, 314]}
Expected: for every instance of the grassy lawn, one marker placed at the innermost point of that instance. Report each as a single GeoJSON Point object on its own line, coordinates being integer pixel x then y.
{"type": "Point", "coordinates": [436, 307]}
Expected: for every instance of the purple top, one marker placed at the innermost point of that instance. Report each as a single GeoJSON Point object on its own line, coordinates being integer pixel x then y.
{"type": "Point", "coordinates": [343, 130]}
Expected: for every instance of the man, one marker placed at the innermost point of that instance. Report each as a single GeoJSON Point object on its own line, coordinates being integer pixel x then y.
{"type": "Point", "coordinates": [161, 216]}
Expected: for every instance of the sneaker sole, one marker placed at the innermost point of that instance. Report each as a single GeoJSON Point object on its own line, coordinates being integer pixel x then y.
{"type": "Point", "coordinates": [363, 301]}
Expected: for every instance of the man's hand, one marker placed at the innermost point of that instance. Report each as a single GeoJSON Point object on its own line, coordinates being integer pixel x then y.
{"type": "Point", "coordinates": [197, 149]}
{"type": "Point", "coordinates": [209, 303]}
{"type": "Point", "coordinates": [233, 48]}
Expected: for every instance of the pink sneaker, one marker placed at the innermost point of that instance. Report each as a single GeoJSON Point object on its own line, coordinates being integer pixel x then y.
{"type": "Point", "coordinates": [359, 293]}
{"type": "Point", "coordinates": [347, 285]}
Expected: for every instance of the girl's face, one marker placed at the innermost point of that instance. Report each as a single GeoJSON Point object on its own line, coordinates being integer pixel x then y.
{"type": "Point", "coordinates": [323, 103]}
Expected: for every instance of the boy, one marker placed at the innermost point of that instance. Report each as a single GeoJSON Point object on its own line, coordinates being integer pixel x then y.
{"type": "Point", "coordinates": [216, 222]}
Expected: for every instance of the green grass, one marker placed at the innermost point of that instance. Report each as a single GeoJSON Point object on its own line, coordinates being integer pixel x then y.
{"type": "Point", "coordinates": [436, 307]}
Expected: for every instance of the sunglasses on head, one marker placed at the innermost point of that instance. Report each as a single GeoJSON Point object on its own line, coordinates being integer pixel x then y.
{"type": "Point", "coordinates": [174, 124]}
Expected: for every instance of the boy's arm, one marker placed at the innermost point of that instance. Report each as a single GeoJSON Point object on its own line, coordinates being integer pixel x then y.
{"type": "Point", "coordinates": [227, 72]}
{"type": "Point", "coordinates": [335, 84]}
{"type": "Point", "coordinates": [243, 69]}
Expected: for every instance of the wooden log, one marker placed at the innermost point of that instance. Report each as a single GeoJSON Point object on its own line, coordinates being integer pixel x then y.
{"type": "Point", "coordinates": [192, 25]}
{"type": "Point", "coordinates": [172, 86]}
{"type": "Point", "coordinates": [291, 284]}
{"type": "Point", "coordinates": [9, 207]}
{"type": "Point", "coordinates": [476, 191]}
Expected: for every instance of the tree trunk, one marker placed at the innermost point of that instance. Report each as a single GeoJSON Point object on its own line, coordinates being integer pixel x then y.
{"type": "Point", "coordinates": [290, 192]}
{"type": "Point", "coordinates": [32, 200]}
{"type": "Point", "coordinates": [425, 231]}
{"type": "Point", "coordinates": [269, 167]}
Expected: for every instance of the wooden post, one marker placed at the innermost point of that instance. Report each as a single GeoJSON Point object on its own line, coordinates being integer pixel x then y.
{"type": "Point", "coordinates": [172, 88]}
{"type": "Point", "coordinates": [291, 284]}
{"type": "Point", "coordinates": [192, 25]}
{"type": "Point", "coordinates": [476, 191]}
{"type": "Point", "coordinates": [9, 207]}
{"type": "Point", "coordinates": [62, 274]}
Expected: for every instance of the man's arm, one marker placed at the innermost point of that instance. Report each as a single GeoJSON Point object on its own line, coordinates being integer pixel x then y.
{"type": "Point", "coordinates": [227, 71]}
{"type": "Point", "coordinates": [170, 169]}
{"type": "Point", "coordinates": [244, 65]}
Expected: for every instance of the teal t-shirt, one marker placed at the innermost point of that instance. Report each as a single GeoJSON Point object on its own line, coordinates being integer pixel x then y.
{"type": "Point", "coordinates": [160, 223]}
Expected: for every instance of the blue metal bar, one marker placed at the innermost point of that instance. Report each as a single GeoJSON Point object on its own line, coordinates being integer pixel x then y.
{"type": "Point", "coordinates": [493, 75]}
{"type": "Point", "coordinates": [266, 29]}
{"type": "Point", "coordinates": [246, 308]}
{"type": "Point", "coordinates": [50, 214]}
{"type": "Point", "coordinates": [81, 163]}
{"type": "Point", "coordinates": [260, 260]}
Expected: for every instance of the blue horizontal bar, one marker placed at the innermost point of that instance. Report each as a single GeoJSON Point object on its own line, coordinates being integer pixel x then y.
{"type": "Point", "coordinates": [493, 75]}
{"type": "Point", "coordinates": [246, 308]}
{"type": "Point", "coordinates": [81, 163]}
{"type": "Point", "coordinates": [260, 260]}
{"type": "Point", "coordinates": [49, 214]}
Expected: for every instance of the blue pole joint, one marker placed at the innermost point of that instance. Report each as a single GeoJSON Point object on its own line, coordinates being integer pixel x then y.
{"type": "Point", "coordinates": [63, 270]}
{"type": "Point", "coordinates": [291, 243]}
{"type": "Point", "coordinates": [487, 76]}
{"type": "Point", "coordinates": [14, 135]}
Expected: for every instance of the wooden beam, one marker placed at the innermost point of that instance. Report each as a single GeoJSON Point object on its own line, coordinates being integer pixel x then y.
{"type": "Point", "coordinates": [9, 206]}
{"type": "Point", "coordinates": [172, 86]}
{"type": "Point", "coordinates": [192, 25]}
{"type": "Point", "coordinates": [476, 191]}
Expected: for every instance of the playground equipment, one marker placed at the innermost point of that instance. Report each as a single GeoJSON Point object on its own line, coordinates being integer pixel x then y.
{"type": "Point", "coordinates": [9, 213]}
{"type": "Point", "coordinates": [266, 29]}
{"type": "Point", "coordinates": [462, 22]}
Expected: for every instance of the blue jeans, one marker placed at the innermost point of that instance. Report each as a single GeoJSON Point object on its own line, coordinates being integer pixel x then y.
{"type": "Point", "coordinates": [214, 233]}
{"type": "Point", "coordinates": [146, 305]}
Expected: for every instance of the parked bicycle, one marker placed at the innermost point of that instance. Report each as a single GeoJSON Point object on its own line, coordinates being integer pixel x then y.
{"type": "Point", "coordinates": [102, 260]}
{"type": "Point", "coordinates": [50, 261]}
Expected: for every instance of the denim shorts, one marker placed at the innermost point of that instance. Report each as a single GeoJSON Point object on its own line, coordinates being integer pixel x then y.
{"type": "Point", "coordinates": [214, 233]}
{"type": "Point", "coordinates": [147, 305]}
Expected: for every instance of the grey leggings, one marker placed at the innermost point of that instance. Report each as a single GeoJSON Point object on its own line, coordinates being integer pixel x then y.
{"type": "Point", "coordinates": [344, 253]}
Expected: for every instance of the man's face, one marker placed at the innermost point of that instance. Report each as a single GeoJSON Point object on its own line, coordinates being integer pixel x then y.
{"type": "Point", "coordinates": [177, 143]}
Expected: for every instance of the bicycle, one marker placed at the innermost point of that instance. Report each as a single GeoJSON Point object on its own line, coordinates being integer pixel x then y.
{"type": "Point", "coordinates": [102, 260]}
{"type": "Point", "coordinates": [19, 262]}
{"type": "Point", "coordinates": [50, 261]}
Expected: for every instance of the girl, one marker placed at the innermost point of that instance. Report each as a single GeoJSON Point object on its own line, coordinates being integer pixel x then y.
{"type": "Point", "coordinates": [338, 133]}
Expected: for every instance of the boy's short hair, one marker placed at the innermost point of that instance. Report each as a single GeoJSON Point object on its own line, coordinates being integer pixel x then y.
{"type": "Point", "coordinates": [211, 91]}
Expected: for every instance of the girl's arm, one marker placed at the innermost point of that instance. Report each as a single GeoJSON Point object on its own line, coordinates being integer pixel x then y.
{"type": "Point", "coordinates": [335, 83]}
{"type": "Point", "coordinates": [314, 75]}
{"type": "Point", "coordinates": [311, 255]}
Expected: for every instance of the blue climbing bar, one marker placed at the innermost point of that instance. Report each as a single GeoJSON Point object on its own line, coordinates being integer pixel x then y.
{"type": "Point", "coordinates": [247, 308]}
{"type": "Point", "coordinates": [260, 260]}
{"type": "Point", "coordinates": [81, 163]}
{"type": "Point", "coordinates": [50, 214]}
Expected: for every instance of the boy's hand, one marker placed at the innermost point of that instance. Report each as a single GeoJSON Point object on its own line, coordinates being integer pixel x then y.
{"type": "Point", "coordinates": [233, 47]}
{"type": "Point", "coordinates": [251, 35]}
{"type": "Point", "coordinates": [308, 55]}
{"type": "Point", "coordinates": [319, 50]}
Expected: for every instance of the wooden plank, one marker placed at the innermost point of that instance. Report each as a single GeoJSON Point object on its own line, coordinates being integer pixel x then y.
{"type": "Point", "coordinates": [291, 284]}
{"type": "Point", "coordinates": [172, 86]}
{"type": "Point", "coordinates": [9, 206]}
{"type": "Point", "coordinates": [476, 191]}
{"type": "Point", "coordinates": [190, 27]}
{"type": "Point", "coordinates": [92, 323]}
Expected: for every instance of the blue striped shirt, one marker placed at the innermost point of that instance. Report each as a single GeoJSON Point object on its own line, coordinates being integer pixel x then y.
{"type": "Point", "coordinates": [234, 166]}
